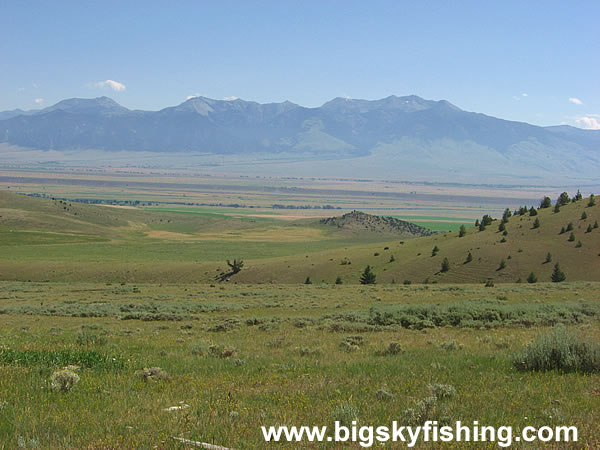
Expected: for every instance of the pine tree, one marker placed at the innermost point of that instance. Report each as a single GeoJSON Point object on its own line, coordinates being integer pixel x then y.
{"type": "Point", "coordinates": [546, 203]}
{"type": "Point", "coordinates": [476, 223]}
{"type": "Point", "coordinates": [435, 251]}
{"type": "Point", "coordinates": [578, 196]}
{"type": "Point", "coordinates": [563, 199]}
{"type": "Point", "coordinates": [445, 265]}
{"type": "Point", "coordinates": [392, 259]}
{"type": "Point", "coordinates": [367, 277]}
{"type": "Point", "coordinates": [570, 226]}
{"type": "Point", "coordinates": [549, 257]}
{"type": "Point", "coordinates": [571, 237]}
{"type": "Point", "coordinates": [556, 208]}
{"type": "Point", "coordinates": [596, 224]}
{"type": "Point", "coordinates": [307, 281]}
{"type": "Point", "coordinates": [562, 230]}
{"type": "Point", "coordinates": [469, 258]}
{"type": "Point", "coordinates": [557, 274]}
{"type": "Point", "coordinates": [532, 278]}
{"type": "Point", "coordinates": [462, 231]}
{"type": "Point", "coordinates": [533, 211]}
{"type": "Point", "coordinates": [583, 215]}
{"type": "Point", "coordinates": [536, 223]}
{"type": "Point", "coordinates": [338, 280]}
{"type": "Point", "coordinates": [589, 228]}
{"type": "Point", "coordinates": [506, 215]}
{"type": "Point", "coordinates": [578, 245]}
{"type": "Point", "coordinates": [501, 227]}
{"type": "Point", "coordinates": [502, 264]}
{"type": "Point", "coordinates": [592, 201]}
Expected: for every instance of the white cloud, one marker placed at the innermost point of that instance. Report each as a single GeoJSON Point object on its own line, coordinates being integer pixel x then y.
{"type": "Point", "coordinates": [525, 94]}
{"type": "Point", "coordinates": [21, 89]}
{"type": "Point", "coordinates": [114, 85]}
{"type": "Point", "coordinates": [575, 100]}
{"type": "Point", "coordinates": [39, 101]}
{"type": "Point", "coordinates": [230, 98]}
{"type": "Point", "coordinates": [589, 122]}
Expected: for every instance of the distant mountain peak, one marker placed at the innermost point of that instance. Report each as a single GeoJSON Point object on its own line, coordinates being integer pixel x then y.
{"type": "Point", "coordinates": [86, 106]}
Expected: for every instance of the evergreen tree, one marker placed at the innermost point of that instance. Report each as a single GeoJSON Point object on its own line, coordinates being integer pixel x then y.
{"type": "Point", "coordinates": [596, 224]}
{"type": "Point", "coordinates": [546, 203]}
{"type": "Point", "coordinates": [578, 245]}
{"type": "Point", "coordinates": [570, 226]}
{"type": "Point", "coordinates": [589, 228]}
{"type": "Point", "coordinates": [592, 201]}
{"type": "Point", "coordinates": [435, 251]}
{"type": "Point", "coordinates": [536, 223]}
{"type": "Point", "coordinates": [563, 199]}
{"type": "Point", "coordinates": [481, 226]}
{"type": "Point", "coordinates": [367, 277]}
{"type": "Point", "coordinates": [307, 281]}
{"type": "Point", "coordinates": [506, 215]}
{"type": "Point", "coordinates": [556, 208]}
{"type": "Point", "coordinates": [487, 220]}
{"type": "Point", "coordinates": [462, 231]}
{"type": "Point", "coordinates": [476, 222]}
{"type": "Point", "coordinates": [533, 211]}
{"type": "Point", "coordinates": [549, 257]}
{"type": "Point", "coordinates": [532, 278]}
{"type": "Point", "coordinates": [338, 280]}
{"type": "Point", "coordinates": [392, 259]}
{"type": "Point", "coordinates": [502, 264]}
{"type": "Point", "coordinates": [445, 265]}
{"type": "Point", "coordinates": [562, 230]}
{"type": "Point", "coordinates": [469, 258]}
{"type": "Point", "coordinates": [583, 215]}
{"type": "Point", "coordinates": [557, 274]}
{"type": "Point", "coordinates": [501, 227]}
{"type": "Point", "coordinates": [571, 237]}
{"type": "Point", "coordinates": [578, 196]}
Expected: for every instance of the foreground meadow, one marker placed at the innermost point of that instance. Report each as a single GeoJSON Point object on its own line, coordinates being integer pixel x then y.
{"type": "Point", "coordinates": [241, 356]}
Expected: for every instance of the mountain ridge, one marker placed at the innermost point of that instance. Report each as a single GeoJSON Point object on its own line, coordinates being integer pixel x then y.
{"type": "Point", "coordinates": [419, 135]}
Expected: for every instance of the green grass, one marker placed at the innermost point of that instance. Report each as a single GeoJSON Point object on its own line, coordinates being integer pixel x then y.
{"type": "Point", "coordinates": [275, 363]}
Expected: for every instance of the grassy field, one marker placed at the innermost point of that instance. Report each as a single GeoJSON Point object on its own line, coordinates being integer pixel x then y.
{"type": "Point", "coordinates": [111, 291]}
{"type": "Point", "coordinates": [242, 356]}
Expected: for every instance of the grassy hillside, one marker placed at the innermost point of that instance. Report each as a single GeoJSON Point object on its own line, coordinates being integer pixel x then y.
{"type": "Point", "coordinates": [53, 240]}
{"type": "Point", "coordinates": [524, 250]}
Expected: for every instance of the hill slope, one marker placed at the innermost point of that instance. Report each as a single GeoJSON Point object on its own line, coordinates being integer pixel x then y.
{"type": "Point", "coordinates": [357, 222]}
{"type": "Point", "coordinates": [419, 137]}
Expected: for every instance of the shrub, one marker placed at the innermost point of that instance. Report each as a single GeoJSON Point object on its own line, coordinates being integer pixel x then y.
{"type": "Point", "coordinates": [548, 257]}
{"type": "Point", "coordinates": [441, 391]}
{"type": "Point", "coordinates": [63, 380]}
{"type": "Point", "coordinates": [532, 278]}
{"type": "Point", "coordinates": [425, 410]}
{"type": "Point", "coordinates": [536, 223]}
{"type": "Point", "coordinates": [383, 395]}
{"type": "Point", "coordinates": [221, 351]}
{"type": "Point", "coordinates": [489, 283]}
{"type": "Point", "coordinates": [152, 374]}
{"type": "Point", "coordinates": [451, 345]}
{"type": "Point", "coordinates": [307, 280]}
{"type": "Point", "coordinates": [392, 349]}
{"type": "Point", "coordinates": [578, 245]}
{"type": "Point", "coordinates": [344, 413]}
{"type": "Point", "coordinates": [558, 349]}
{"type": "Point", "coordinates": [502, 264]}
{"type": "Point", "coordinates": [435, 250]}
{"type": "Point", "coordinates": [338, 280]}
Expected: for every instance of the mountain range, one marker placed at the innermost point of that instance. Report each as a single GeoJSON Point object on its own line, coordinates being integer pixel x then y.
{"type": "Point", "coordinates": [414, 133]}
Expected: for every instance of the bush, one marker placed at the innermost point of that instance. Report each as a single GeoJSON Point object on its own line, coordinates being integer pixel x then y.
{"type": "Point", "coordinates": [445, 265]}
{"type": "Point", "coordinates": [63, 380]}
{"type": "Point", "coordinates": [558, 349]}
{"type": "Point", "coordinates": [152, 374]}
{"type": "Point", "coordinates": [392, 349]}
{"type": "Point", "coordinates": [344, 413]}
{"type": "Point", "coordinates": [441, 391]}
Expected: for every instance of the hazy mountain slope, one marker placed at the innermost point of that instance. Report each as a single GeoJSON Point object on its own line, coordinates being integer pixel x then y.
{"type": "Point", "coordinates": [420, 136]}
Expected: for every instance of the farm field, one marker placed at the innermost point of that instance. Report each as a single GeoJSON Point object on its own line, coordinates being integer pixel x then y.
{"type": "Point", "coordinates": [240, 356]}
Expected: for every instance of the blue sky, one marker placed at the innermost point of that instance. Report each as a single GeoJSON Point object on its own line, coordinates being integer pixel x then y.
{"type": "Point", "coordinates": [533, 61]}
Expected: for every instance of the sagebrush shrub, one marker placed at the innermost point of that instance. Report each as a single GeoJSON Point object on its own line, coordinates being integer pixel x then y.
{"type": "Point", "coordinates": [559, 349]}
{"type": "Point", "coordinates": [63, 380]}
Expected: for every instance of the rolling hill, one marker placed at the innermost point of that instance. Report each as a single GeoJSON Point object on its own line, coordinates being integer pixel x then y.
{"type": "Point", "coordinates": [395, 135]}
{"type": "Point", "coordinates": [43, 239]}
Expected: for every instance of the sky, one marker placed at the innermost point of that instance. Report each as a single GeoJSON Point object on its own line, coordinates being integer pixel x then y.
{"type": "Point", "coordinates": [533, 61]}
